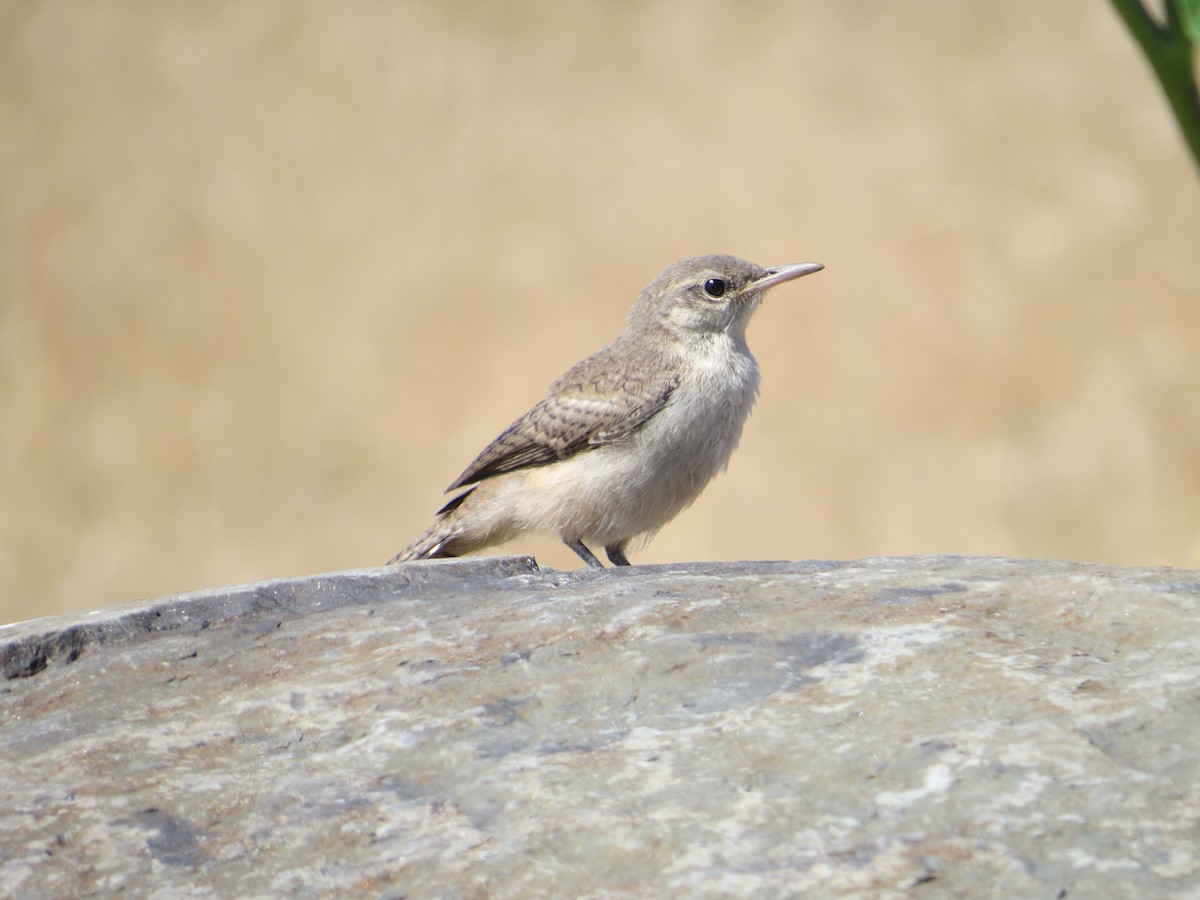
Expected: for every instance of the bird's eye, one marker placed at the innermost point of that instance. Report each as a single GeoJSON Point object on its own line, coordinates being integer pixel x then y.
{"type": "Point", "coordinates": [715, 287]}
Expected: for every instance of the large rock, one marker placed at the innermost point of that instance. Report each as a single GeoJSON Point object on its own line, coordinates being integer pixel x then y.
{"type": "Point", "coordinates": [941, 726]}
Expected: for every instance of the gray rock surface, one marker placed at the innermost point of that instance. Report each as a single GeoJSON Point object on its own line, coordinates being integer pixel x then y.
{"type": "Point", "coordinates": [927, 727]}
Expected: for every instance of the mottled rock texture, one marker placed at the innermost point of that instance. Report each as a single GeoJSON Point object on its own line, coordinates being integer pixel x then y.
{"type": "Point", "coordinates": [938, 726]}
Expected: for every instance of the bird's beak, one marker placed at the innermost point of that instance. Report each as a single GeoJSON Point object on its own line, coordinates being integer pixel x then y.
{"type": "Point", "coordinates": [779, 274]}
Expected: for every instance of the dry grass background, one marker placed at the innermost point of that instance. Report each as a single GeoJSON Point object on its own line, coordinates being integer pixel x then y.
{"type": "Point", "coordinates": [271, 273]}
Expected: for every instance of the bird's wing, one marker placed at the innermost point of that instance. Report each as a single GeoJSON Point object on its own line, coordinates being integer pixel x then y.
{"type": "Point", "coordinates": [602, 400]}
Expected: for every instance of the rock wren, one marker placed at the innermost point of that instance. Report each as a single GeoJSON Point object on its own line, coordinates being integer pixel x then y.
{"type": "Point", "coordinates": [628, 437]}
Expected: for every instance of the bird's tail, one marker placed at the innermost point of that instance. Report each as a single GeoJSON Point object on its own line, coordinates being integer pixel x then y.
{"type": "Point", "coordinates": [437, 541]}
{"type": "Point", "coordinates": [430, 545]}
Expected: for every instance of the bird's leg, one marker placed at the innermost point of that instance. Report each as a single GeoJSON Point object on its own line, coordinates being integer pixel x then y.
{"type": "Point", "coordinates": [584, 553]}
{"type": "Point", "coordinates": [616, 554]}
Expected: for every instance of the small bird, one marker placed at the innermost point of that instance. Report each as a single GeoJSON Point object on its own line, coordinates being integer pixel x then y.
{"type": "Point", "coordinates": [629, 436]}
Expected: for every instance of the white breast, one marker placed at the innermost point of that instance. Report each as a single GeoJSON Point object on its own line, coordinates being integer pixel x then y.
{"type": "Point", "coordinates": [615, 492]}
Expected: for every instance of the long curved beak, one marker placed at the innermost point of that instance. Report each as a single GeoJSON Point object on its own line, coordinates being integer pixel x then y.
{"type": "Point", "coordinates": [779, 274]}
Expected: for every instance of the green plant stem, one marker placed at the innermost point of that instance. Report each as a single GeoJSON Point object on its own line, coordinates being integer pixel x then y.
{"type": "Point", "coordinates": [1170, 55]}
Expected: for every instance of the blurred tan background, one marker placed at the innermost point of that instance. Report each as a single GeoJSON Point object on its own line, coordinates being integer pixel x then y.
{"type": "Point", "coordinates": [272, 273]}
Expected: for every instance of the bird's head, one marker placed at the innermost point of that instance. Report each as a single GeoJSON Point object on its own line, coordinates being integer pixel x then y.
{"type": "Point", "coordinates": [707, 295]}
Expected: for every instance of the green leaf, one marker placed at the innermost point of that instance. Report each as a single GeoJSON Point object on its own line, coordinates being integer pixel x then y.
{"type": "Point", "coordinates": [1189, 13]}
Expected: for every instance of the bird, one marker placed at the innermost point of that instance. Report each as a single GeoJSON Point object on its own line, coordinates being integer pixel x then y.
{"type": "Point", "coordinates": [628, 437]}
